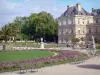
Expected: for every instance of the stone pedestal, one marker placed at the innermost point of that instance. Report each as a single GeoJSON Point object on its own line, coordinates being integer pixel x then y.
{"type": "Point", "coordinates": [42, 45]}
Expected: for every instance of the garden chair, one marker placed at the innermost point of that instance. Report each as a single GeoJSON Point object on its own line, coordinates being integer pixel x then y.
{"type": "Point", "coordinates": [37, 66]}
{"type": "Point", "coordinates": [27, 66]}
{"type": "Point", "coordinates": [22, 70]}
{"type": "Point", "coordinates": [33, 68]}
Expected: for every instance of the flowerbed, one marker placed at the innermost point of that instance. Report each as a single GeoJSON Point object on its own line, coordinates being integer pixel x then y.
{"type": "Point", "coordinates": [63, 56]}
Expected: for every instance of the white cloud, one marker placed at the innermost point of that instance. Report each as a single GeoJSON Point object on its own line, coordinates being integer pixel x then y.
{"type": "Point", "coordinates": [9, 10]}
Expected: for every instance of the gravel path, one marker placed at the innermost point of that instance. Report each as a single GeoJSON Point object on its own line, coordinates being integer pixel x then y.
{"type": "Point", "coordinates": [89, 67]}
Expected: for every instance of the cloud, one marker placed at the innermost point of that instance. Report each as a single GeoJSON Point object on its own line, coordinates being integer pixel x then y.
{"type": "Point", "coordinates": [10, 9]}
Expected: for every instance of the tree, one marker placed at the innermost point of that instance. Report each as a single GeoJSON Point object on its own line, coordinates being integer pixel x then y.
{"type": "Point", "coordinates": [97, 40]}
{"type": "Point", "coordinates": [41, 25]}
{"type": "Point", "coordinates": [75, 40]}
{"type": "Point", "coordinates": [5, 35]}
{"type": "Point", "coordinates": [34, 27]}
{"type": "Point", "coordinates": [14, 31]}
{"type": "Point", "coordinates": [19, 23]}
{"type": "Point", "coordinates": [8, 32]}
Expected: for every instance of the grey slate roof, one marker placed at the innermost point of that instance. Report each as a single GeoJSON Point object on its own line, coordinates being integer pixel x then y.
{"type": "Point", "coordinates": [74, 11]}
{"type": "Point", "coordinates": [95, 12]}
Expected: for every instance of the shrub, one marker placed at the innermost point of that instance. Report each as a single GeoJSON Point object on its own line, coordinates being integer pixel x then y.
{"type": "Point", "coordinates": [98, 47]}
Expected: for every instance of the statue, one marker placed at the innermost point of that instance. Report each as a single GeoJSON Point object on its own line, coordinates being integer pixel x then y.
{"type": "Point", "coordinates": [42, 44]}
{"type": "Point", "coordinates": [93, 45]}
{"type": "Point", "coordinates": [41, 39]}
{"type": "Point", "coordinates": [93, 42]}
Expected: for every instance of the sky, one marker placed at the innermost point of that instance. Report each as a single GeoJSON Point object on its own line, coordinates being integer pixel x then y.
{"type": "Point", "coordinates": [9, 9]}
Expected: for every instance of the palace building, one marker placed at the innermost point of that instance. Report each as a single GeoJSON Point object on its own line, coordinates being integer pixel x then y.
{"type": "Point", "coordinates": [76, 22]}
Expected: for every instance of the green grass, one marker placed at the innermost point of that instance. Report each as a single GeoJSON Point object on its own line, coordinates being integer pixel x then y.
{"type": "Point", "coordinates": [98, 47]}
{"type": "Point", "coordinates": [23, 55]}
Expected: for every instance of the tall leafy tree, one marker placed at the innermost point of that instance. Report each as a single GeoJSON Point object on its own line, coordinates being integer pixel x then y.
{"type": "Point", "coordinates": [5, 33]}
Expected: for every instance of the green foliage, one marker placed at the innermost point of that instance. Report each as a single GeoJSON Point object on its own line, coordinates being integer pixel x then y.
{"type": "Point", "coordinates": [82, 38]}
{"type": "Point", "coordinates": [5, 33]}
{"type": "Point", "coordinates": [40, 25]}
{"type": "Point", "coordinates": [33, 27]}
{"type": "Point", "coordinates": [97, 40]}
{"type": "Point", "coordinates": [98, 47]}
{"type": "Point", "coordinates": [75, 40]}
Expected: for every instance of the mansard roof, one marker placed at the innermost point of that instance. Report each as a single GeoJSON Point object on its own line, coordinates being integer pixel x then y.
{"type": "Point", "coordinates": [95, 12]}
{"type": "Point", "coordinates": [74, 11]}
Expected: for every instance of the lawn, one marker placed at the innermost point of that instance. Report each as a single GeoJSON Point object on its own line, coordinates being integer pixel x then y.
{"type": "Point", "coordinates": [23, 55]}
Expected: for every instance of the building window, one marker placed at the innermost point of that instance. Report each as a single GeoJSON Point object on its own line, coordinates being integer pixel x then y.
{"type": "Point", "coordinates": [89, 38]}
{"type": "Point", "coordinates": [78, 22]}
{"type": "Point", "coordinates": [83, 22]}
{"type": "Point", "coordinates": [72, 30]}
{"type": "Point", "coordinates": [66, 30]}
{"type": "Point", "coordinates": [64, 22]}
{"type": "Point", "coordinates": [96, 21]}
{"type": "Point", "coordinates": [90, 30]}
{"type": "Point", "coordinates": [83, 31]}
{"type": "Point", "coordinates": [69, 21]}
{"type": "Point", "coordinates": [59, 23]}
{"type": "Point", "coordinates": [96, 30]}
{"type": "Point", "coordinates": [59, 32]}
{"type": "Point", "coordinates": [88, 22]}
{"type": "Point", "coordinates": [62, 32]}
{"type": "Point", "coordinates": [79, 31]}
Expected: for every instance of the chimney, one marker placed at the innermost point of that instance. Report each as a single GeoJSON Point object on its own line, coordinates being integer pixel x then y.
{"type": "Point", "coordinates": [79, 6]}
{"type": "Point", "coordinates": [68, 6]}
{"type": "Point", "coordinates": [92, 9]}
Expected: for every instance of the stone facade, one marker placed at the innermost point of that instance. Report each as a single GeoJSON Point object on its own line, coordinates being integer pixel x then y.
{"type": "Point", "coordinates": [76, 22]}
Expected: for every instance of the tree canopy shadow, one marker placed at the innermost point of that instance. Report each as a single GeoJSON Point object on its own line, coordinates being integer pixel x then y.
{"type": "Point", "coordinates": [90, 66]}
